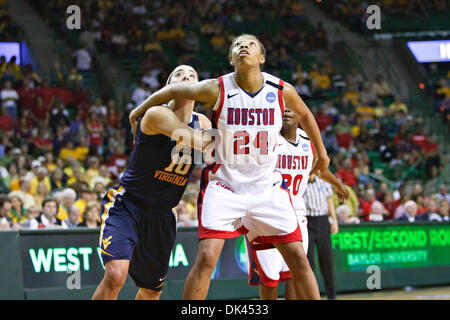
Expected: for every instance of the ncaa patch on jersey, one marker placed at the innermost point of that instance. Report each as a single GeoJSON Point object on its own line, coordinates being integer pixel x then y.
{"type": "Point", "coordinates": [305, 147]}
{"type": "Point", "coordinates": [270, 97]}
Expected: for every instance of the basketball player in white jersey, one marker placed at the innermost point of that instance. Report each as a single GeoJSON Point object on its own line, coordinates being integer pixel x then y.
{"type": "Point", "coordinates": [295, 159]}
{"type": "Point", "coordinates": [240, 192]}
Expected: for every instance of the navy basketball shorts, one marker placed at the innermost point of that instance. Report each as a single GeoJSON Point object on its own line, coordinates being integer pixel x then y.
{"type": "Point", "coordinates": [145, 235]}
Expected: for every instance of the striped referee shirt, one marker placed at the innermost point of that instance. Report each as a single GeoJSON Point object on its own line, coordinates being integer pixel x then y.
{"type": "Point", "coordinates": [316, 194]}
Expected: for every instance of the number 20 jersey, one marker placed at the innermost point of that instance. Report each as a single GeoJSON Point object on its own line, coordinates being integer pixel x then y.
{"type": "Point", "coordinates": [249, 126]}
{"type": "Point", "coordinates": [295, 162]}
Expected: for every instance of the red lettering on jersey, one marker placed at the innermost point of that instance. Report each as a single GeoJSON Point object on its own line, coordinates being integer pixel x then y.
{"type": "Point", "coordinates": [304, 162]}
{"type": "Point", "coordinates": [289, 162]}
{"type": "Point", "coordinates": [237, 116]}
{"type": "Point", "coordinates": [265, 117]}
{"type": "Point", "coordinates": [258, 112]}
{"type": "Point", "coordinates": [244, 117]}
{"type": "Point", "coordinates": [272, 116]}
{"type": "Point", "coordinates": [230, 116]}
{"type": "Point", "coordinates": [251, 116]}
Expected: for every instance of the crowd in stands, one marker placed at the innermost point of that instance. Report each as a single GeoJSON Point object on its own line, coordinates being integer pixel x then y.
{"type": "Point", "coordinates": [9, 29]}
{"type": "Point", "coordinates": [59, 150]}
{"type": "Point", "coordinates": [438, 88]}
{"type": "Point", "coordinates": [59, 143]}
{"type": "Point", "coordinates": [353, 13]}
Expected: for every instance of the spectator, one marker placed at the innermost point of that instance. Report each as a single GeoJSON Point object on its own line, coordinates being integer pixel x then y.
{"type": "Point", "coordinates": [302, 89]}
{"type": "Point", "coordinates": [381, 87]}
{"type": "Point", "coordinates": [330, 141]}
{"type": "Point", "coordinates": [99, 108]}
{"type": "Point", "coordinates": [10, 97]}
{"type": "Point", "coordinates": [41, 176]}
{"type": "Point", "coordinates": [91, 215]}
{"type": "Point", "coordinates": [377, 211]}
{"type": "Point", "coordinates": [74, 78]}
{"type": "Point", "coordinates": [68, 198]}
{"type": "Point", "coordinates": [27, 96]}
{"type": "Point", "coordinates": [397, 106]}
{"type": "Point", "coordinates": [344, 215]}
{"type": "Point", "coordinates": [365, 112]}
{"type": "Point", "coordinates": [352, 94]}
{"type": "Point", "coordinates": [73, 217]}
{"type": "Point", "coordinates": [6, 122]}
{"type": "Point", "coordinates": [443, 195]}
{"type": "Point", "coordinates": [346, 173]}
{"type": "Point", "coordinates": [82, 59]}
{"type": "Point", "coordinates": [443, 214]}
{"type": "Point", "coordinates": [5, 206]}
{"type": "Point", "coordinates": [379, 110]}
{"type": "Point", "coordinates": [368, 95]}
{"type": "Point", "coordinates": [33, 213]}
{"type": "Point", "coordinates": [17, 212]}
{"type": "Point", "coordinates": [42, 193]}
{"type": "Point", "coordinates": [95, 128]}
{"type": "Point", "coordinates": [141, 93]}
{"type": "Point", "coordinates": [323, 120]}
{"type": "Point", "coordinates": [24, 193]}
{"type": "Point", "coordinates": [47, 219]}
{"type": "Point", "coordinates": [411, 213]}
{"type": "Point", "coordinates": [390, 205]}
{"type": "Point", "coordinates": [183, 217]}
{"type": "Point", "coordinates": [58, 181]}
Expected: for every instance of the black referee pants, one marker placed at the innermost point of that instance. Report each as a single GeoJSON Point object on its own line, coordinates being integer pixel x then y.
{"type": "Point", "coordinates": [319, 234]}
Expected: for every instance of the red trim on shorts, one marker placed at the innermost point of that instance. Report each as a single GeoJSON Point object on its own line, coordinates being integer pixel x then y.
{"type": "Point", "coordinates": [285, 275]}
{"type": "Point", "coordinates": [262, 246]}
{"type": "Point", "coordinates": [280, 98]}
{"type": "Point", "coordinates": [222, 99]}
{"type": "Point", "coordinates": [264, 279]}
{"type": "Point", "coordinates": [295, 235]}
{"type": "Point", "coordinates": [205, 233]}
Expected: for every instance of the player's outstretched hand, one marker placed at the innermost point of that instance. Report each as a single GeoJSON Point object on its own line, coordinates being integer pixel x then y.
{"type": "Point", "coordinates": [342, 193]}
{"type": "Point", "coordinates": [320, 165]}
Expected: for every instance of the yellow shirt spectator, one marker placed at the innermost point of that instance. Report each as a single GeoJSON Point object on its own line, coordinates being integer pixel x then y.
{"type": "Point", "coordinates": [352, 201]}
{"type": "Point", "coordinates": [365, 111]}
{"type": "Point", "coordinates": [35, 181]}
{"type": "Point", "coordinates": [323, 81]}
{"type": "Point", "coordinates": [353, 96]}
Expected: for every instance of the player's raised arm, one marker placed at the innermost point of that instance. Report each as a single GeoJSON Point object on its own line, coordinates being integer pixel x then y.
{"type": "Point", "coordinates": [162, 120]}
{"type": "Point", "coordinates": [309, 124]}
{"type": "Point", "coordinates": [204, 91]}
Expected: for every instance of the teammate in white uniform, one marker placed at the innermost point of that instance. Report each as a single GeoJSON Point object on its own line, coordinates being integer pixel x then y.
{"type": "Point", "coordinates": [295, 160]}
{"type": "Point", "coordinates": [240, 192]}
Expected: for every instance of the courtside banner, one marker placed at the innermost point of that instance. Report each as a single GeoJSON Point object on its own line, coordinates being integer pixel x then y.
{"type": "Point", "coordinates": [60, 258]}
{"type": "Point", "coordinates": [391, 246]}
{"type": "Point", "coordinates": [66, 264]}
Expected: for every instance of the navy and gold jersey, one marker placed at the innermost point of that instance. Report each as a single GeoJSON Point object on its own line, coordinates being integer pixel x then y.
{"type": "Point", "coordinates": [154, 176]}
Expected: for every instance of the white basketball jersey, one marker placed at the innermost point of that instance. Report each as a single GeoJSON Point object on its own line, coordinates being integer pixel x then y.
{"type": "Point", "coordinates": [295, 162]}
{"type": "Point", "coordinates": [249, 125]}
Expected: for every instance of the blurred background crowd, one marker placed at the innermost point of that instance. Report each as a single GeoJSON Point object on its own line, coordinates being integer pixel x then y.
{"type": "Point", "coordinates": [62, 144]}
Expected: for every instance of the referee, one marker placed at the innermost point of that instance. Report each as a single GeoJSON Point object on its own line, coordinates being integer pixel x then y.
{"type": "Point", "coordinates": [318, 206]}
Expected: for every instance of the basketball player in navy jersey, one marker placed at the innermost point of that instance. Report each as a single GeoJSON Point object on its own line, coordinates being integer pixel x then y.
{"type": "Point", "coordinates": [258, 99]}
{"type": "Point", "coordinates": [138, 223]}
